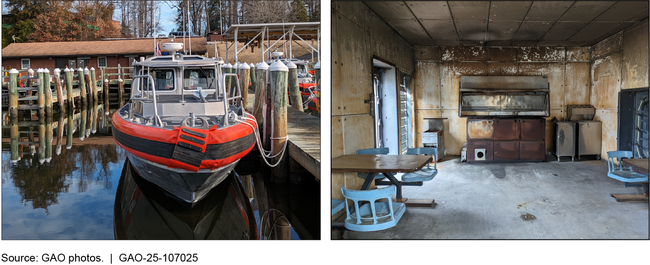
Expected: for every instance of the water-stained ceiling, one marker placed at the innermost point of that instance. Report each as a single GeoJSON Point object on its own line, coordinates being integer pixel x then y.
{"type": "Point", "coordinates": [509, 23]}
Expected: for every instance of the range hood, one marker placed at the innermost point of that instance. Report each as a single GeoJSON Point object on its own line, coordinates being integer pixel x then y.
{"type": "Point", "coordinates": [504, 96]}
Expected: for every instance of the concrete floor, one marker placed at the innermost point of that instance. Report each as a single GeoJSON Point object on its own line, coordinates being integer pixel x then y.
{"type": "Point", "coordinates": [570, 200]}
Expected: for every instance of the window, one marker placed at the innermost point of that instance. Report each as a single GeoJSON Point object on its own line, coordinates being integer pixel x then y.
{"type": "Point", "coordinates": [195, 78]}
{"type": "Point", "coordinates": [24, 64]}
{"type": "Point", "coordinates": [163, 79]}
{"type": "Point", "coordinates": [101, 62]}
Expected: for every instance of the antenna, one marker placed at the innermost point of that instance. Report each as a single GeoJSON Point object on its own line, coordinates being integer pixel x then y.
{"type": "Point", "coordinates": [188, 25]}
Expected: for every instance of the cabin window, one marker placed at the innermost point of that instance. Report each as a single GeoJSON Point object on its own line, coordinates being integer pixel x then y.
{"type": "Point", "coordinates": [24, 64]}
{"type": "Point", "coordinates": [101, 62]}
{"type": "Point", "coordinates": [199, 78]}
{"type": "Point", "coordinates": [163, 79]}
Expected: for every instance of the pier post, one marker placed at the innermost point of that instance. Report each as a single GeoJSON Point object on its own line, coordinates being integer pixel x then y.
{"type": "Point", "coordinates": [70, 129]}
{"type": "Point", "coordinates": [47, 86]}
{"type": "Point", "coordinates": [49, 133]}
{"type": "Point", "coordinates": [88, 86]}
{"type": "Point", "coordinates": [93, 118]}
{"type": "Point", "coordinates": [260, 95]}
{"type": "Point", "coordinates": [30, 81]}
{"type": "Point", "coordinates": [59, 133]}
{"type": "Point", "coordinates": [13, 93]}
{"type": "Point", "coordinates": [279, 73]}
{"type": "Point", "coordinates": [82, 86]}
{"type": "Point", "coordinates": [252, 77]}
{"type": "Point", "coordinates": [106, 89]}
{"type": "Point", "coordinates": [244, 78]}
{"type": "Point", "coordinates": [41, 93]}
{"type": "Point", "coordinates": [120, 90]}
{"type": "Point", "coordinates": [93, 82]}
{"type": "Point", "coordinates": [41, 139]}
{"type": "Point", "coordinates": [68, 86]}
{"type": "Point", "coordinates": [82, 126]}
{"type": "Point", "coordinates": [59, 88]}
{"type": "Point", "coordinates": [294, 87]}
{"type": "Point", "coordinates": [89, 120]}
{"type": "Point", "coordinates": [14, 135]}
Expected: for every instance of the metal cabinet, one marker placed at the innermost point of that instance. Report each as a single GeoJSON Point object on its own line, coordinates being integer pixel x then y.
{"type": "Point", "coordinates": [565, 139]}
{"type": "Point", "coordinates": [589, 138]}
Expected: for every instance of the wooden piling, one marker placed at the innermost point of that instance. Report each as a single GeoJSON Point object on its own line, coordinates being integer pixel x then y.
{"type": "Point", "coordinates": [252, 77]}
{"type": "Point", "coordinates": [59, 88]}
{"type": "Point", "coordinates": [82, 127]}
{"type": "Point", "coordinates": [294, 87]}
{"type": "Point", "coordinates": [41, 139]}
{"type": "Point", "coordinates": [82, 87]}
{"type": "Point", "coordinates": [88, 86]}
{"type": "Point", "coordinates": [120, 90]}
{"type": "Point", "coordinates": [260, 95]}
{"type": "Point", "coordinates": [41, 93]}
{"type": "Point", "coordinates": [68, 86]}
{"type": "Point", "coordinates": [14, 135]}
{"type": "Point", "coordinates": [244, 78]}
{"type": "Point", "coordinates": [89, 121]}
{"type": "Point", "coordinates": [93, 119]}
{"type": "Point", "coordinates": [70, 129]}
{"type": "Point", "coordinates": [279, 73]}
{"type": "Point", "coordinates": [106, 89]}
{"type": "Point", "coordinates": [13, 93]}
{"type": "Point", "coordinates": [49, 133]}
{"type": "Point", "coordinates": [59, 133]}
{"type": "Point", "coordinates": [47, 86]}
{"type": "Point", "coordinates": [93, 82]}
{"type": "Point", "coordinates": [30, 74]}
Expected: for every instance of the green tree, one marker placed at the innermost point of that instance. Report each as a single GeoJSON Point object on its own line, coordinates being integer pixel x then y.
{"type": "Point", "coordinates": [298, 11]}
{"type": "Point", "coordinates": [23, 15]}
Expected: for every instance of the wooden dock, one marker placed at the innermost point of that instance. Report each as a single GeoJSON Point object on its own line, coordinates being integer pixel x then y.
{"type": "Point", "coordinates": [304, 140]}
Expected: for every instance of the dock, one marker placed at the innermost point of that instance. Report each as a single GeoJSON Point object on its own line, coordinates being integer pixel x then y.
{"type": "Point", "coordinates": [304, 140]}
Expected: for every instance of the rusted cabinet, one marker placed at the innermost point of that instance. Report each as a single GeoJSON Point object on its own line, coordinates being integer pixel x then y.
{"type": "Point", "coordinates": [506, 129]}
{"type": "Point", "coordinates": [506, 150]}
{"type": "Point", "coordinates": [532, 150]}
{"type": "Point", "coordinates": [480, 129]}
{"type": "Point", "coordinates": [533, 129]}
{"type": "Point", "coordinates": [480, 151]}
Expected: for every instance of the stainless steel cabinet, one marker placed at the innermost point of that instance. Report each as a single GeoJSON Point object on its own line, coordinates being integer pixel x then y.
{"type": "Point", "coordinates": [589, 138]}
{"type": "Point", "coordinates": [565, 139]}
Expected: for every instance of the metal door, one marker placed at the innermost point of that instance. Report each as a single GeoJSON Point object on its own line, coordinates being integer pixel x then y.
{"type": "Point", "coordinates": [589, 138]}
{"type": "Point", "coordinates": [565, 144]}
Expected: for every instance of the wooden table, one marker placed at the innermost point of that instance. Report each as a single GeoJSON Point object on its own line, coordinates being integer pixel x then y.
{"type": "Point", "coordinates": [639, 165]}
{"type": "Point", "coordinates": [387, 165]}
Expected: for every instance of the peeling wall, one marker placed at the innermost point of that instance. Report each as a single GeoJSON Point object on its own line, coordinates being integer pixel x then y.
{"type": "Point", "coordinates": [358, 35]}
{"type": "Point", "coordinates": [559, 64]}
{"type": "Point", "coordinates": [618, 62]}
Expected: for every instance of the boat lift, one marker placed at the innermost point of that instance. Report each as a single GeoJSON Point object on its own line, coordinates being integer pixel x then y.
{"type": "Point", "coordinates": [272, 32]}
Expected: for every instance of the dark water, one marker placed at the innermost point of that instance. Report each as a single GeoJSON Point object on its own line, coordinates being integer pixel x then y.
{"type": "Point", "coordinates": [72, 194]}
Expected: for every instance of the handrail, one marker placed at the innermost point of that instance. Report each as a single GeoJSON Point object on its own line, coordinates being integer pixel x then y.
{"type": "Point", "coordinates": [153, 88]}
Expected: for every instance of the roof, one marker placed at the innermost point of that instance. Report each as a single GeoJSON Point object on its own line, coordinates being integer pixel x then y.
{"type": "Point", "coordinates": [94, 48]}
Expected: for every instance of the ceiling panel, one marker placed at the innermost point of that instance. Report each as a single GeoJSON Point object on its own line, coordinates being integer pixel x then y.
{"type": "Point", "coordinates": [623, 11]}
{"type": "Point", "coordinates": [509, 10]}
{"type": "Point", "coordinates": [469, 10]}
{"type": "Point", "coordinates": [592, 31]}
{"type": "Point", "coordinates": [532, 30]}
{"type": "Point", "coordinates": [547, 10]}
{"type": "Point", "coordinates": [524, 43]}
{"type": "Point", "coordinates": [388, 10]}
{"type": "Point", "coordinates": [612, 31]}
{"type": "Point", "coordinates": [411, 30]}
{"type": "Point", "coordinates": [430, 10]}
{"type": "Point", "coordinates": [499, 42]}
{"type": "Point", "coordinates": [574, 43]}
{"type": "Point", "coordinates": [440, 29]}
{"type": "Point", "coordinates": [550, 43]}
{"type": "Point", "coordinates": [563, 30]}
{"type": "Point", "coordinates": [471, 29]}
{"type": "Point", "coordinates": [449, 42]}
{"type": "Point", "coordinates": [586, 10]}
{"type": "Point", "coordinates": [499, 30]}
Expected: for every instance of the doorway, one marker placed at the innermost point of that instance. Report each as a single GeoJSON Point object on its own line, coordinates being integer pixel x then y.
{"type": "Point", "coordinates": [385, 104]}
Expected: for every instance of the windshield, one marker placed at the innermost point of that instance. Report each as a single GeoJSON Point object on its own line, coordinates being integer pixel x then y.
{"type": "Point", "coordinates": [198, 78]}
{"type": "Point", "coordinates": [163, 79]}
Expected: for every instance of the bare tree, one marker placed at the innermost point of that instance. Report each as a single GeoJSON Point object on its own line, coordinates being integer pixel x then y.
{"type": "Point", "coordinates": [266, 11]}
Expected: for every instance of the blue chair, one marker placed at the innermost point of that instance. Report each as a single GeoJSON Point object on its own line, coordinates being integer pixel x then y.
{"type": "Point", "coordinates": [622, 172]}
{"type": "Point", "coordinates": [374, 215]}
{"type": "Point", "coordinates": [427, 173]}
{"type": "Point", "coordinates": [372, 151]}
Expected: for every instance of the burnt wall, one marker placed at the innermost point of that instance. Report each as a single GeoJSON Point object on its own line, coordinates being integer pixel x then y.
{"type": "Point", "coordinates": [438, 71]}
{"type": "Point", "coordinates": [358, 35]}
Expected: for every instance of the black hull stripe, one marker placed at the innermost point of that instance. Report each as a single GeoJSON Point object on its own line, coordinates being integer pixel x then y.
{"type": "Point", "coordinates": [166, 150]}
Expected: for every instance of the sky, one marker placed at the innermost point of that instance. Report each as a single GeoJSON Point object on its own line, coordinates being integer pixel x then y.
{"type": "Point", "coordinates": [167, 16]}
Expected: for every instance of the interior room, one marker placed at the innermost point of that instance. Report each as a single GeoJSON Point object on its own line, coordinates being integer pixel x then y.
{"type": "Point", "coordinates": [521, 102]}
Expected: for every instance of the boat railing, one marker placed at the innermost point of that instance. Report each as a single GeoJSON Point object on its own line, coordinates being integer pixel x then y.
{"type": "Point", "coordinates": [150, 96]}
{"type": "Point", "coordinates": [235, 95]}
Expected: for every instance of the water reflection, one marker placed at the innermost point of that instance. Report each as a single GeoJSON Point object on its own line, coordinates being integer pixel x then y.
{"type": "Point", "coordinates": [66, 195]}
{"type": "Point", "coordinates": [144, 211]}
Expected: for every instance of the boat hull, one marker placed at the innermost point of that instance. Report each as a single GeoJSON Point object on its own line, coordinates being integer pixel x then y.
{"type": "Point", "coordinates": [187, 186]}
